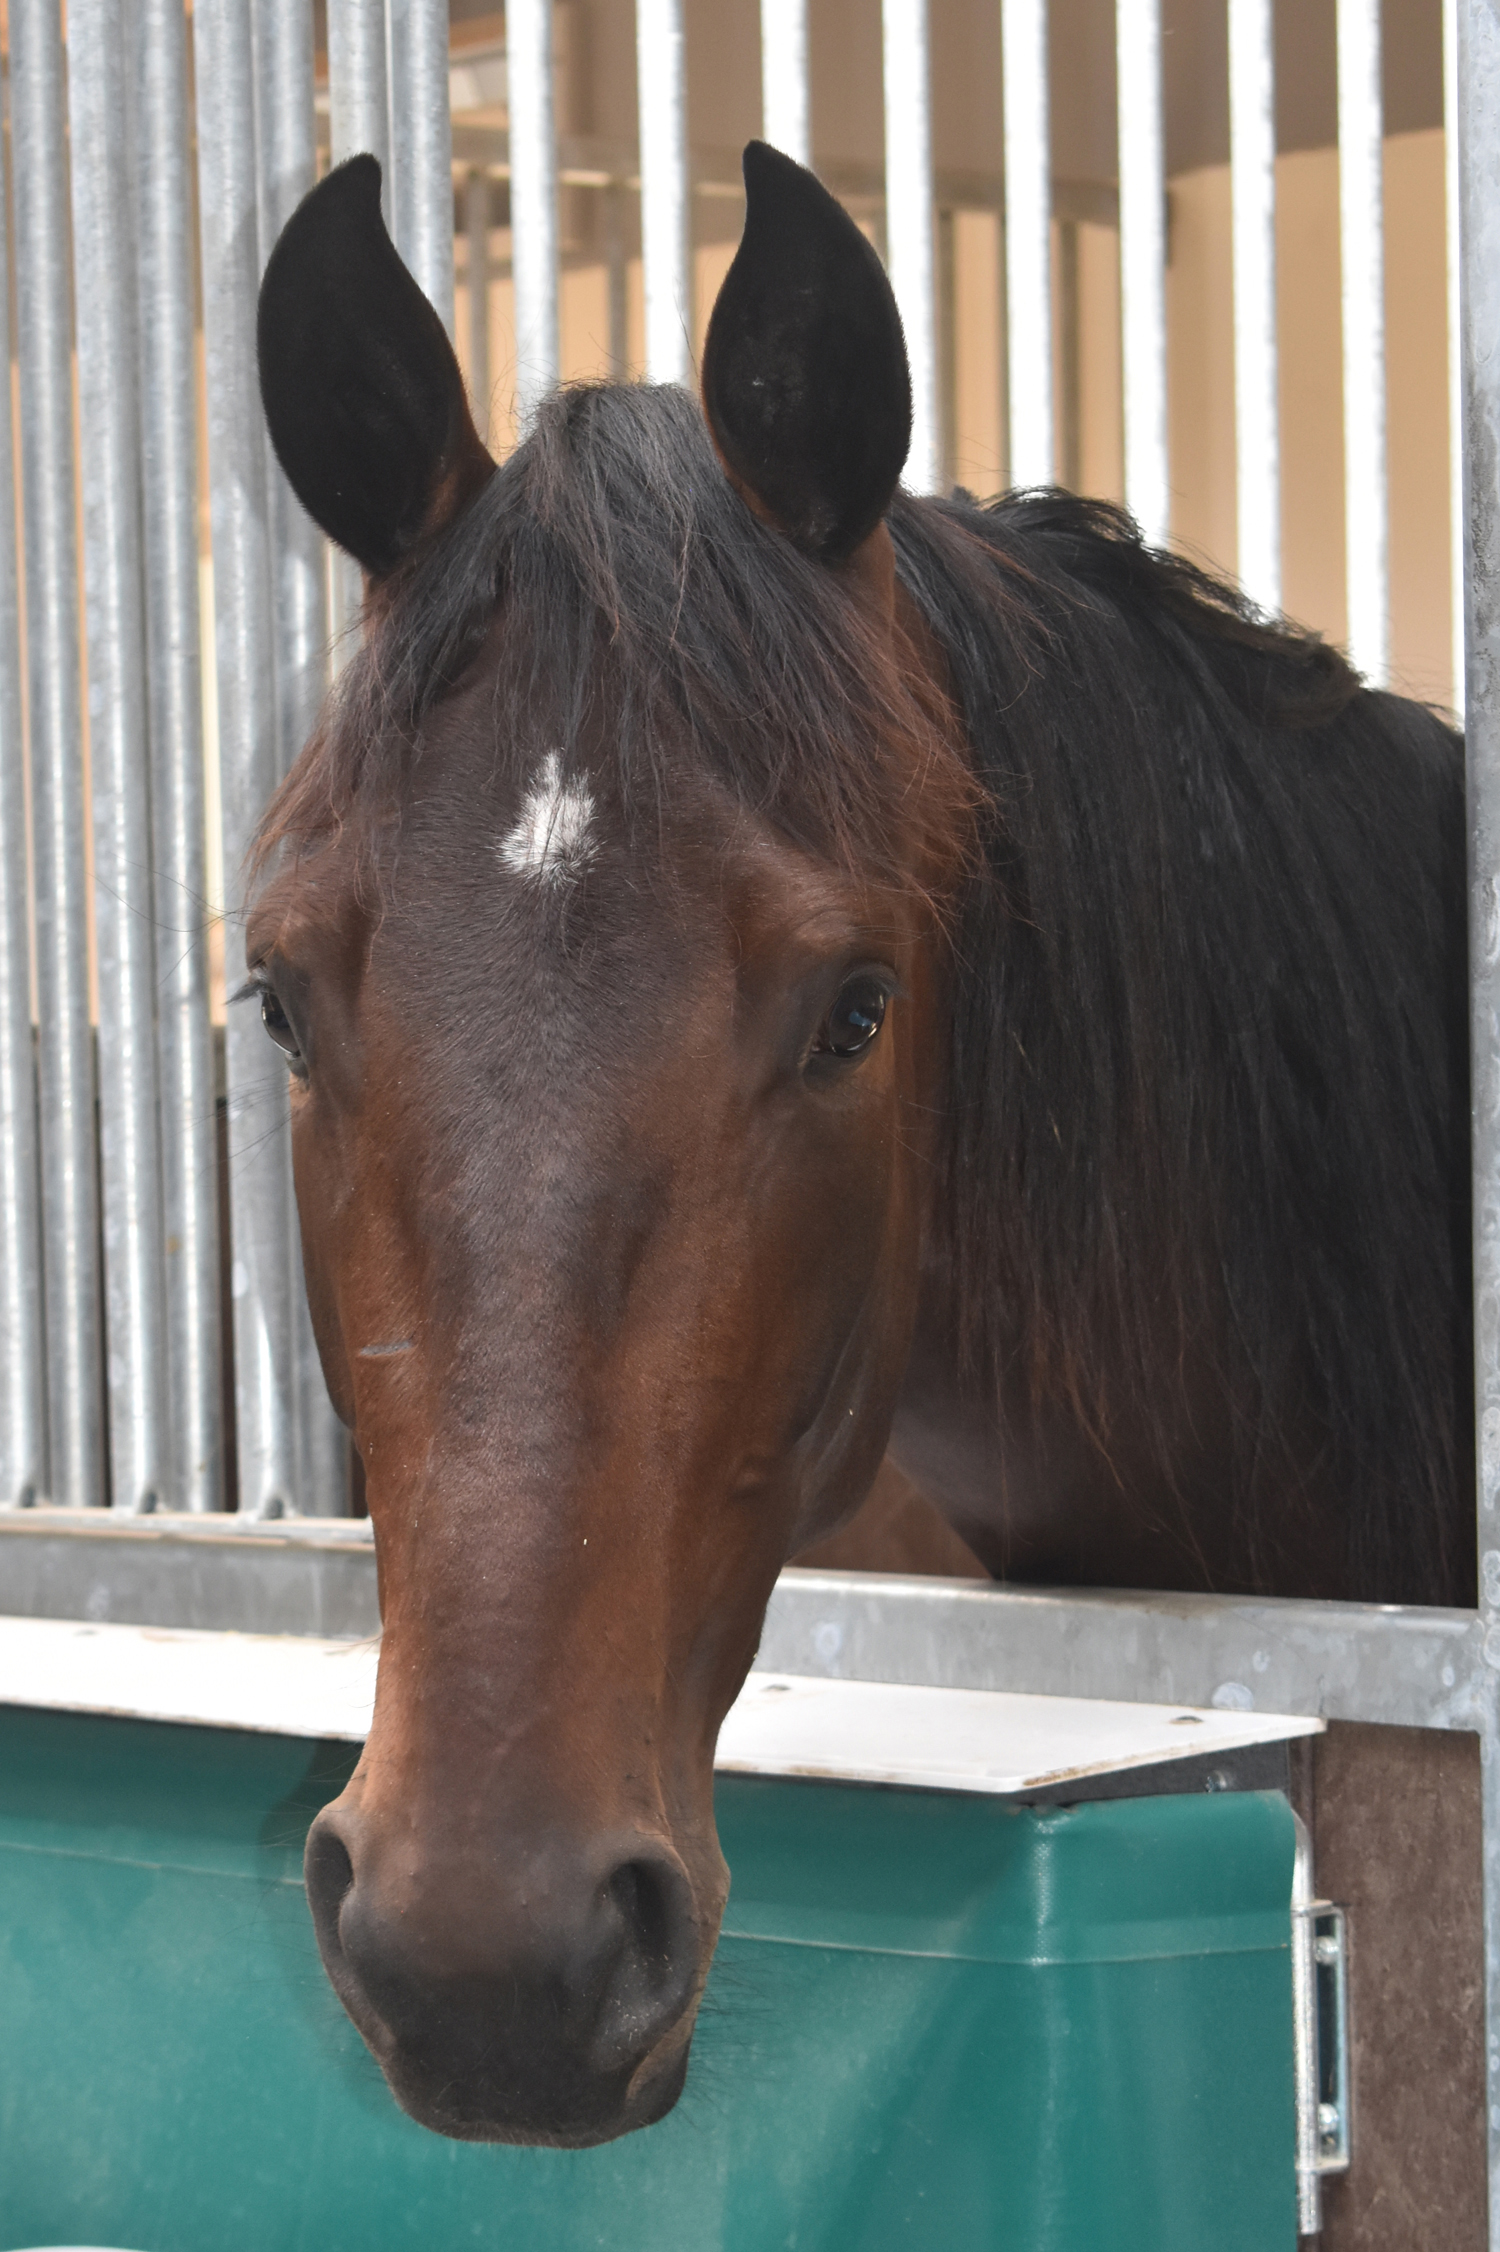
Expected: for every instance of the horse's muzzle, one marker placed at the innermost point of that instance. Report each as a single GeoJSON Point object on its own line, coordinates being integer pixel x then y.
{"type": "Point", "coordinates": [560, 2018]}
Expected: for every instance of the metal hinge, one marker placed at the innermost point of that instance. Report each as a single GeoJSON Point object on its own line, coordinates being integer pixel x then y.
{"type": "Point", "coordinates": [1320, 2002]}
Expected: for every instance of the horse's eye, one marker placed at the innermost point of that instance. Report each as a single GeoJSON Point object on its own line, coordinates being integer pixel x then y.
{"type": "Point", "coordinates": [276, 1021]}
{"type": "Point", "coordinates": [853, 1021]}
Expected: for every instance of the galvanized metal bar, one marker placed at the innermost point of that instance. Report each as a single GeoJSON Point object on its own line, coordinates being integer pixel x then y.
{"type": "Point", "coordinates": [1028, 241]}
{"type": "Point", "coordinates": [477, 238]}
{"type": "Point", "coordinates": [1257, 421]}
{"type": "Point", "coordinates": [359, 123]}
{"type": "Point", "coordinates": [161, 207]}
{"type": "Point", "coordinates": [785, 92]}
{"type": "Point", "coordinates": [130, 1162]}
{"type": "Point", "coordinates": [359, 108]}
{"type": "Point", "coordinates": [533, 200]}
{"type": "Point", "coordinates": [1143, 265]}
{"type": "Point", "coordinates": [1479, 252]}
{"type": "Point", "coordinates": [44, 339]}
{"type": "Point", "coordinates": [1456, 359]}
{"type": "Point", "coordinates": [909, 228]}
{"type": "Point", "coordinates": [1362, 254]}
{"type": "Point", "coordinates": [666, 190]}
{"type": "Point", "coordinates": [1408, 1667]}
{"type": "Point", "coordinates": [244, 625]}
{"type": "Point", "coordinates": [422, 139]}
{"type": "Point", "coordinates": [287, 160]}
{"type": "Point", "coordinates": [23, 1389]}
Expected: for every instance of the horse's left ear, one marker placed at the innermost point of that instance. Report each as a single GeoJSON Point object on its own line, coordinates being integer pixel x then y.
{"type": "Point", "coordinates": [362, 393]}
{"type": "Point", "coordinates": [805, 381]}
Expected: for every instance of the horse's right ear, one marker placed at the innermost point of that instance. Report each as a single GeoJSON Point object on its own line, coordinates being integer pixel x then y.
{"type": "Point", "coordinates": [362, 392]}
{"type": "Point", "coordinates": [805, 381]}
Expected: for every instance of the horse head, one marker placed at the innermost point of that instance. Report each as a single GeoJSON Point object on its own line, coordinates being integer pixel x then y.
{"type": "Point", "coordinates": [601, 927]}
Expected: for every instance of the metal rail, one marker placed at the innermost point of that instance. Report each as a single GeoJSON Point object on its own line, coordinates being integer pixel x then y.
{"type": "Point", "coordinates": [909, 227]}
{"type": "Point", "coordinates": [1028, 241]}
{"type": "Point", "coordinates": [1257, 417]}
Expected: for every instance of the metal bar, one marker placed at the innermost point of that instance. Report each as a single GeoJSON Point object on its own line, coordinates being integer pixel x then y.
{"type": "Point", "coordinates": [1479, 252]}
{"type": "Point", "coordinates": [1456, 359]}
{"type": "Point", "coordinates": [359, 122]}
{"type": "Point", "coordinates": [1257, 423]}
{"type": "Point", "coordinates": [477, 234]}
{"type": "Point", "coordinates": [23, 1390]}
{"type": "Point", "coordinates": [44, 337]}
{"type": "Point", "coordinates": [909, 228]}
{"type": "Point", "coordinates": [666, 205]}
{"type": "Point", "coordinates": [1362, 251]}
{"type": "Point", "coordinates": [785, 94]}
{"type": "Point", "coordinates": [161, 204]}
{"type": "Point", "coordinates": [1143, 265]}
{"type": "Point", "coordinates": [1028, 241]}
{"type": "Point", "coordinates": [614, 266]}
{"type": "Point", "coordinates": [533, 201]}
{"type": "Point", "coordinates": [287, 160]}
{"type": "Point", "coordinates": [422, 139]}
{"type": "Point", "coordinates": [130, 1162]}
{"type": "Point", "coordinates": [1305, 2037]}
{"type": "Point", "coordinates": [245, 647]}
{"type": "Point", "coordinates": [1409, 1667]}
{"type": "Point", "coordinates": [359, 109]}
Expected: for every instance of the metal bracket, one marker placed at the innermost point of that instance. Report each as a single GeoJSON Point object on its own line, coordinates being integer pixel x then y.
{"type": "Point", "coordinates": [1320, 2005]}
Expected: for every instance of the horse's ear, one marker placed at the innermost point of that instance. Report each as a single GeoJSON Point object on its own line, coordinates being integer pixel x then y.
{"type": "Point", "coordinates": [805, 381]}
{"type": "Point", "coordinates": [362, 392]}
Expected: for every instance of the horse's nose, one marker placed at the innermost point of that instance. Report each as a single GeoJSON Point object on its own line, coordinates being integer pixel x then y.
{"type": "Point", "coordinates": [497, 2017]}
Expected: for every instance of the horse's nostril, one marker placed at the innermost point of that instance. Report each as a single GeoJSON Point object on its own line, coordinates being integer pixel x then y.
{"type": "Point", "coordinates": [329, 1875]}
{"type": "Point", "coordinates": [642, 1895]}
{"type": "Point", "coordinates": [656, 1966]}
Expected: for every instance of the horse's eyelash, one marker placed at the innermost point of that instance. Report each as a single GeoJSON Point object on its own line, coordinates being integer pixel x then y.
{"type": "Point", "coordinates": [251, 990]}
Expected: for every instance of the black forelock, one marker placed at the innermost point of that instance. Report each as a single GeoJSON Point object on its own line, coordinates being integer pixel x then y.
{"type": "Point", "coordinates": [609, 567]}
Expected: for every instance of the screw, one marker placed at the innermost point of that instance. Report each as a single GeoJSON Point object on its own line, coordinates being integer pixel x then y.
{"type": "Point", "coordinates": [1330, 2122]}
{"type": "Point", "coordinates": [1326, 1948]}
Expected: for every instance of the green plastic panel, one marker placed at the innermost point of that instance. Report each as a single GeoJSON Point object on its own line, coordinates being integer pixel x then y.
{"type": "Point", "coordinates": [934, 2022]}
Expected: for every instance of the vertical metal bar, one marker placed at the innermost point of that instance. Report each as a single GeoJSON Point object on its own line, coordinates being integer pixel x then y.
{"type": "Point", "coordinates": [1455, 354]}
{"type": "Point", "coordinates": [1028, 241]}
{"type": "Point", "coordinates": [477, 233]}
{"type": "Point", "coordinates": [1257, 427]}
{"type": "Point", "coordinates": [1362, 254]}
{"type": "Point", "coordinates": [287, 157]}
{"type": "Point", "coordinates": [666, 190]}
{"type": "Point", "coordinates": [359, 122]}
{"type": "Point", "coordinates": [1143, 265]}
{"type": "Point", "coordinates": [909, 228]}
{"type": "Point", "coordinates": [130, 1166]}
{"type": "Point", "coordinates": [245, 645]}
{"type": "Point", "coordinates": [422, 140]}
{"type": "Point", "coordinates": [287, 154]}
{"type": "Point", "coordinates": [785, 104]}
{"type": "Point", "coordinates": [533, 200]}
{"type": "Point", "coordinates": [23, 1390]}
{"type": "Point", "coordinates": [70, 1217]}
{"type": "Point", "coordinates": [614, 267]}
{"type": "Point", "coordinates": [1305, 2037]}
{"type": "Point", "coordinates": [162, 209]}
{"type": "Point", "coordinates": [359, 109]}
{"type": "Point", "coordinates": [1479, 252]}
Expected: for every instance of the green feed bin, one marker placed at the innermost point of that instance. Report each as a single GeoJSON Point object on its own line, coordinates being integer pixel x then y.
{"type": "Point", "coordinates": [936, 2024]}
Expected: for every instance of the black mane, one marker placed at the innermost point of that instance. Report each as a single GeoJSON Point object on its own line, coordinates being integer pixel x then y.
{"type": "Point", "coordinates": [1208, 1103]}
{"type": "Point", "coordinates": [1210, 1064]}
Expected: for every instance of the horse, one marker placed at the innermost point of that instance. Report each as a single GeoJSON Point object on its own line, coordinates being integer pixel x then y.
{"type": "Point", "coordinates": [774, 970]}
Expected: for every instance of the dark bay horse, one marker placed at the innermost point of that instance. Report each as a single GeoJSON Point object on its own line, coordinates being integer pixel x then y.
{"type": "Point", "coordinates": [774, 969]}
